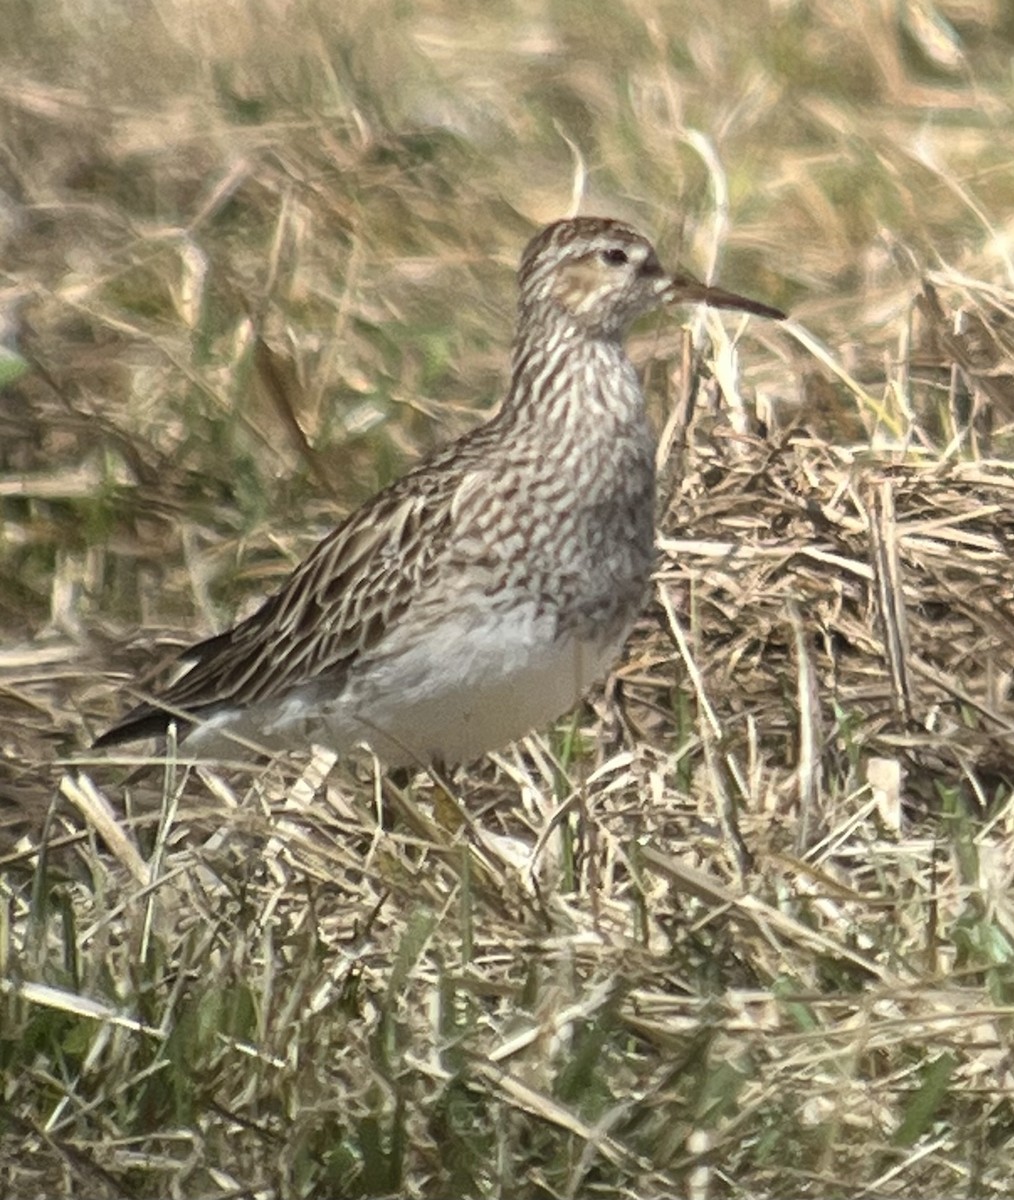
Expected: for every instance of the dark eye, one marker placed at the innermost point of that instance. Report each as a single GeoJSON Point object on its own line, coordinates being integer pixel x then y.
{"type": "Point", "coordinates": [615, 257]}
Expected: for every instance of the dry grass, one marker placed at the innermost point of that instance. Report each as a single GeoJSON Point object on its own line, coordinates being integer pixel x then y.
{"type": "Point", "coordinates": [740, 929]}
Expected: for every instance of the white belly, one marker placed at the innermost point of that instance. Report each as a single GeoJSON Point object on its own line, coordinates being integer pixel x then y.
{"type": "Point", "coordinates": [457, 692]}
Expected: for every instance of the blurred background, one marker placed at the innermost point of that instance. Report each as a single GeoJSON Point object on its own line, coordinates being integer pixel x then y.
{"type": "Point", "coordinates": [256, 257]}
{"type": "Point", "coordinates": [348, 187]}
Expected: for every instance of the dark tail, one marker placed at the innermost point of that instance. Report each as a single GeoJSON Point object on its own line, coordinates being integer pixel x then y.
{"type": "Point", "coordinates": [141, 722]}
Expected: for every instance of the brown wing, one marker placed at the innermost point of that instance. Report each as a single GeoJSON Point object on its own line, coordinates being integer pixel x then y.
{"type": "Point", "coordinates": [335, 605]}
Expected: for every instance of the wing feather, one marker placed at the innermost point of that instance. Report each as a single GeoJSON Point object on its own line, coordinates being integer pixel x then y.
{"type": "Point", "coordinates": [335, 606]}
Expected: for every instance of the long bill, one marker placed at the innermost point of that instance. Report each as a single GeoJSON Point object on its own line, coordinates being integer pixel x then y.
{"type": "Point", "coordinates": [683, 288]}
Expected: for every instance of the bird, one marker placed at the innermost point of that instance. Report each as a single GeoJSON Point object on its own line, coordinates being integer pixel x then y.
{"type": "Point", "coordinates": [480, 595]}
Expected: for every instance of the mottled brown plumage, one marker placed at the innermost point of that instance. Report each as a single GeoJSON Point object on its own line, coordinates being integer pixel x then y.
{"type": "Point", "coordinates": [479, 595]}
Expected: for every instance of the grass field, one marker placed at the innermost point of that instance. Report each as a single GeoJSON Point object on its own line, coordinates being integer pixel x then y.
{"type": "Point", "coordinates": [743, 926]}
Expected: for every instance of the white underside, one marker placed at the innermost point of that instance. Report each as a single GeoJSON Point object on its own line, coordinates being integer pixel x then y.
{"type": "Point", "coordinates": [459, 691]}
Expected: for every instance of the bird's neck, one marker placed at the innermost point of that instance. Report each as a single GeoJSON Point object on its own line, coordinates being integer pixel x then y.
{"type": "Point", "coordinates": [561, 366]}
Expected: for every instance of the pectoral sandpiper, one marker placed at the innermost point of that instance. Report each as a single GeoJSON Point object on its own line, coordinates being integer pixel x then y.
{"type": "Point", "coordinates": [481, 594]}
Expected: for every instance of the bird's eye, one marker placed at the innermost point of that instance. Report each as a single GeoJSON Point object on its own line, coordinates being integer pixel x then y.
{"type": "Point", "coordinates": [614, 257]}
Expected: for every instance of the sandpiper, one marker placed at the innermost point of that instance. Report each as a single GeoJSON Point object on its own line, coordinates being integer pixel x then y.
{"type": "Point", "coordinates": [480, 595]}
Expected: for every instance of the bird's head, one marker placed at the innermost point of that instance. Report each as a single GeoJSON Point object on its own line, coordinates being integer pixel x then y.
{"type": "Point", "coordinates": [601, 274]}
